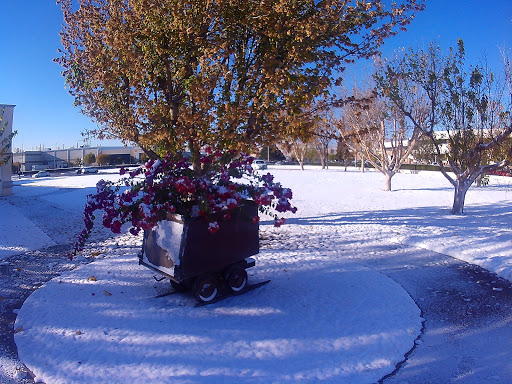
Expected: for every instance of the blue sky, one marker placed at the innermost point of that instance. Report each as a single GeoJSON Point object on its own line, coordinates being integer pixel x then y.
{"type": "Point", "coordinates": [44, 114]}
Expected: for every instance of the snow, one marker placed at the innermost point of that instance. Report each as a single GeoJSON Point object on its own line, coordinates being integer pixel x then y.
{"type": "Point", "coordinates": [323, 317]}
{"type": "Point", "coordinates": [18, 234]}
{"type": "Point", "coordinates": [168, 237]}
{"type": "Point", "coordinates": [115, 330]}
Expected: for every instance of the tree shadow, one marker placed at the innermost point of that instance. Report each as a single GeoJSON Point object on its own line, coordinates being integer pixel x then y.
{"type": "Point", "coordinates": [287, 331]}
{"type": "Point", "coordinates": [486, 215]}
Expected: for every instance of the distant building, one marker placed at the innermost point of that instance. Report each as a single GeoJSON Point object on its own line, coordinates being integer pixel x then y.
{"type": "Point", "coordinates": [7, 112]}
{"type": "Point", "coordinates": [64, 158]}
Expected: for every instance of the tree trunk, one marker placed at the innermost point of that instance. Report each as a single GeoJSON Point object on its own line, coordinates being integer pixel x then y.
{"type": "Point", "coordinates": [196, 157]}
{"type": "Point", "coordinates": [479, 180]}
{"type": "Point", "coordinates": [461, 188]}
{"type": "Point", "coordinates": [299, 153]}
{"type": "Point", "coordinates": [387, 181]}
{"type": "Point", "coordinates": [322, 161]}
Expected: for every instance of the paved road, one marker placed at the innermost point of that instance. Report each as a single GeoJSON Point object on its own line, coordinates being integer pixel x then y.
{"type": "Point", "coordinates": [20, 275]}
{"type": "Point", "coordinates": [467, 335]}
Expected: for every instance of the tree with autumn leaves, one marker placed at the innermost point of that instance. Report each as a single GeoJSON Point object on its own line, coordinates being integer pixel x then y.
{"type": "Point", "coordinates": [464, 111]}
{"type": "Point", "coordinates": [174, 75]}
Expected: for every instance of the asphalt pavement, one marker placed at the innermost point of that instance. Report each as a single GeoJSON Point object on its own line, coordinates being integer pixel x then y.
{"type": "Point", "coordinates": [467, 332]}
{"type": "Point", "coordinates": [20, 275]}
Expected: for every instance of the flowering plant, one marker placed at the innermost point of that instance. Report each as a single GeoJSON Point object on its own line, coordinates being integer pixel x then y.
{"type": "Point", "coordinates": [145, 196]}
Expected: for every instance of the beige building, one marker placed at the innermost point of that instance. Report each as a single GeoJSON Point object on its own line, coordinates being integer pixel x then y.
{"type": "Point", "coordinates": [70, 157]}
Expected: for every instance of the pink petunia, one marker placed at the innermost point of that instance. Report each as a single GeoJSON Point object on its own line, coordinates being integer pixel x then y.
{"type": "Point", "coordinates": [213, 227]}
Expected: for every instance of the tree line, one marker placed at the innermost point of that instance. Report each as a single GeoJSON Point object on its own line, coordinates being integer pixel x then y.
{"type": "Point", "coordinates": [241, 75]}
{"type": "Point", "coordinates": [429, 105]}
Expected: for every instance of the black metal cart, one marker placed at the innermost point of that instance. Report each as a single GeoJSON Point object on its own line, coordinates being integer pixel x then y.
{"type": "Point", "coordinates": [182, 249]}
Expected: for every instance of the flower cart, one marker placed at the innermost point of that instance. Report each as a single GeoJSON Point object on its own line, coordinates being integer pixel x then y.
{"type": "Point", "coordinates": [183, 249]}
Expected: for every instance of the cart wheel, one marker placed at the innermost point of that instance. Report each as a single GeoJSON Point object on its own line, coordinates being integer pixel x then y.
{"type": "Point", "coordinates": [205, 288]}
{"type": "Point", "coordinates": [236, 278]}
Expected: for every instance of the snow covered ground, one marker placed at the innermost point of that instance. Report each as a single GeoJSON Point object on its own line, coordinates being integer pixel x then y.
{"type": "Point", "coordinates": [322, 318]}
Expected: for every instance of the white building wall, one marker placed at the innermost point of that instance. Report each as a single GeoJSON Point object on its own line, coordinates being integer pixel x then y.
{"type": "Point", "coordinates": [6, 170]}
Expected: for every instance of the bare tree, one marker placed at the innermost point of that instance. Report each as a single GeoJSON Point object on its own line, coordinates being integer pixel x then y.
{"type": "Point", "coordinates": [343, 152]}
{"type": "Point", "coordinates": [324, 134]}
{"type": "Point", "coordinates": [381, 134]}
{"type": "Point", "coordinates": [298, 147]}
{"type": "Point", "coordinates": [507, 69]}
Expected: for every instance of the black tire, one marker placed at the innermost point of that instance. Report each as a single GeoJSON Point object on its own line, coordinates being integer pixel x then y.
{"type": "Point", "coordinates": [236, 278]}
{"type": "Point", "coordinates": [206, 288]}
